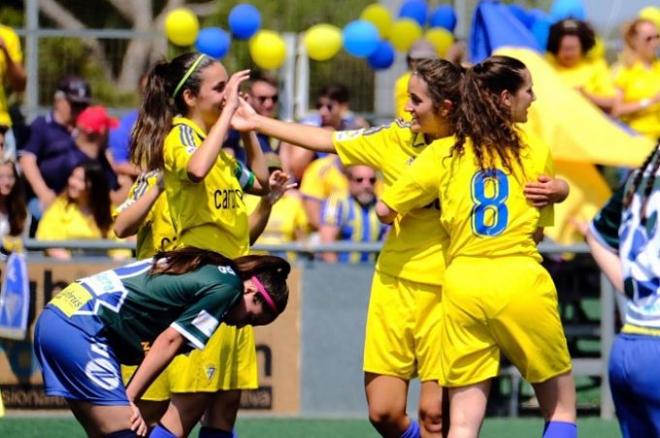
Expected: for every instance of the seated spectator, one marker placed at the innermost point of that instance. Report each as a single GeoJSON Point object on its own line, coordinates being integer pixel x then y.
{"type": "Point", "coordinates": [352, 217]}
{"type": "Point", "coordinates": [13, 75]}
{"type": "Point", "coordinates": [81, 211]}
{"type": "Point", "coordinates": [568, 45]}
{"type": "Point", "coordinates": [638, 78]}
{"type": "Point", "coordinates": [43, 160]}
{"type": "Point", "coordinates": [14, 220]}
{"type": "Point", "coordinates": [324, 177]}
{"type": "Point", "coordinates": [262, 95]}
{"type": "Point", "coordinates": [288, 219]}
{"type": "Point", "coordinates": [333, 112]}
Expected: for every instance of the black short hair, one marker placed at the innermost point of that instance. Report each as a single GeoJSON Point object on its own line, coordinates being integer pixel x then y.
{"type": "Point", "coordinates": [578, 28]}
{"type": "Point", "coordinates": [337, 92]}
{"type": "Point", "coordinates": [261, 76]}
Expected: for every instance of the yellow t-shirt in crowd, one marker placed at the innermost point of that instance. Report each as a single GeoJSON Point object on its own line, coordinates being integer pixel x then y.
{"type": "Point", "coordinates": [323, 177]}
{"type": "Point", "coordinates": [156, 233]}
{"type": "Point", "coordinates": [287, 220]}
{"type": "Point", "coordinates": [592, 75]}
{"type": "Point", "coordinates": [413, 247]}
{"type": "Point", "coordinates": [401, 96]}
{"type": "Point", "coordinates": [637, 83]}
{"type": "Point", "coordinates": [64, 220]}
{"type": "Point", "coordinates": [14, 49]}
{"type": "Point", "coordinates": [209, 214]}
{"type": "Point", "coordinates": [485, 213]}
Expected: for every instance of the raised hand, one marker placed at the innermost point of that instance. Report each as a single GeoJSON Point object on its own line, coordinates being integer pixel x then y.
{"type": "Point", "coordinates": [244, 116]}
{"type": "Point", "coordinates": [232, 89]}
{"type": "Point", "coordinates": [279, 182]}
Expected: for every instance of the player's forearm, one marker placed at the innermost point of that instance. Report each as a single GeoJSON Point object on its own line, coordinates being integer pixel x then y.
{"type": "Point", "coordinates": [129, 220]}
{"type": "Point", "coordinates": [203, 159]}
{"type": "Point", "coordinates": [161, 353]}
{"type": "Point", "coordinates": [255, 160]}
{"type": "Point", "coordinates": [258, 220]}
{"type": "Point", "coordinates": [385, 213]}
{"type": "Point", "coordinates": [607, 260]}
{"type": "Point", "coordinates": [309, 137]}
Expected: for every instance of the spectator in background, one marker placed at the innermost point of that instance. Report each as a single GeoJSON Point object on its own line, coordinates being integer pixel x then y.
{"type": "Point", "coordinates": [119, 139]}
{"type": "Point", "coordinates": [81, 211]}
{"type": "Point", "coordinates": [13, 211]}
{"type": "Point", "coordinates": [323, 177]}
{"type": "Point", "coordinates": [91, 141]}
{"type": "Point", "coordinates": [638, 78]}
{"type": "Point", "coordinates": [262, 95]}
{"type": "Point", "coordinates": [421, 49]}
{"type": "Point", "coordinates": [50, 143]}
{"type": "Point", "coordinates": [333, 112]}
{"type": "Point", "coordinates": [568, 45]}
{"type": "Point", "coordinates": [352, 217]}
{"type": "Point", "coordinates": [12, 74]}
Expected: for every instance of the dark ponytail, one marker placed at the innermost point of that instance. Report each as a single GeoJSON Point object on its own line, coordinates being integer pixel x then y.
{"type": "Point", "coordinates": [652, 163]}
{"type": "Point", "coordinates": [159, 106]}
{"type": "Point", "coordinates": [271, 271]}
{"type": "Point", "coordinates": [484, 119]}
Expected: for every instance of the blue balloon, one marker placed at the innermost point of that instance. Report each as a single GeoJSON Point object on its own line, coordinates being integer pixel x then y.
{"type": "Point", "coordinates": [443, 16]}
{"type": "Point", "coordinates": [415, 9]}
{"type": "Point", "coordinates": [541, 31]}
{"type": "Point", "coordinates": [383, 57]}
{"type": "Point", "coordinates": [361, 38]}
{"type": "Point", "coordinates": [562, 9]}
{"type": "Point", "coordinates": [244, 21]}
{"type": "Point", "coordinates": [213, 41]}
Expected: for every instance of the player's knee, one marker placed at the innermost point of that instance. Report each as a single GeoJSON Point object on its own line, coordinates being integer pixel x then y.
{"type": "Point", "coordinates": [430, 418]}
{"type": "Point", "coordinates": [384, 416]}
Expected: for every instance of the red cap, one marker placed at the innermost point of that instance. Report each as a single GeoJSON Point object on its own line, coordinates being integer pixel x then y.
{"type": "Point", "coordinates": [95, 120]}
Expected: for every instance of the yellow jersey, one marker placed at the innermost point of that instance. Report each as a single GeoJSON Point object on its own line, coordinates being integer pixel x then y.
{"type": "Point", "coordinates": [593, 75]}
{"type": "Point", "coordinates": [323, 177]}
{"type": "Point", "coordinates": [287, 219]}
{"type": "Point", "coordinates": [156, 233]}
{"type": "Point", "coordinates": [209, 214]}
{"type": "Point", "coordinates": [484, 212]}
{"type": "Point", "coordinates": [637, 83]}
{"type": "Point", "coordinates": [401, 96]}
{"type": "Point", "coordinates": [13, 45]}
{"type": "Point", "coordinates": [413, 247]}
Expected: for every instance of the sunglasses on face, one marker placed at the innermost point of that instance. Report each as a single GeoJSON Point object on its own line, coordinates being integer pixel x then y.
{"type": "Point", "coordinates": [650, 38]}
{"type": "Point", "coordinates": [361, 179]}
{"type": "Point", "coordinates": [263, 99]}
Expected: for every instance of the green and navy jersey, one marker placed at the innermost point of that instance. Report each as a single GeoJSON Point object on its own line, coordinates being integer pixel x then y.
{"type": "Point", "coordinates": [132, 307]}
{"type": "Point", "coordinates": [355, 223]}
{"type": "Point", "coordinates": [637, 242]}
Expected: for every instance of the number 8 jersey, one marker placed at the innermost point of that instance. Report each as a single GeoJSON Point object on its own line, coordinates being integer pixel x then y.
{"type": "Point", "coordinates": [484, 211]}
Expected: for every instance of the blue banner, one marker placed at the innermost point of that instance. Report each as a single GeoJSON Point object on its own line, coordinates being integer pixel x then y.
{"type": "Point", "coordinates": [14, 298]}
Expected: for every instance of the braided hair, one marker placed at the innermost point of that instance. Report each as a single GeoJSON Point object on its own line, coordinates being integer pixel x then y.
{"type": "Point", "coordinates": [652, 163]}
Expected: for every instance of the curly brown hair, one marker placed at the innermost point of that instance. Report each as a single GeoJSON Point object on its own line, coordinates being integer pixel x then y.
{"type": "Point", "coordinates": [482, 116]}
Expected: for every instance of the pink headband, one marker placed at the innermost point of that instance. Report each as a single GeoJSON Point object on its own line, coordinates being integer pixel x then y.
{"type": "Point", "coordinates": [264, 293]}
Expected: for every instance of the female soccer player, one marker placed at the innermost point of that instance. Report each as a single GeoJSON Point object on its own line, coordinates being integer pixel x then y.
{"type": "Point", "coordinates": [497, 298]}
{"type": "Point", "coordinates": [401, 340]}
{"type": "Point", "coordinates": [204, 189]}
{"type": "Point", "coordinates": [145, 313]}
{"type": "Point", "coordinates": [625, 242]}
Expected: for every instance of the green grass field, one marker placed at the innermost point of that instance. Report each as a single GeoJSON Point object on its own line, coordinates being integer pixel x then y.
{"type": "Point", "coordinates": [38, 427]}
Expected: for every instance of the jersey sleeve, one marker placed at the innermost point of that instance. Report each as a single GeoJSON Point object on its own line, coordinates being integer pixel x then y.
{"type": "Point", "coordinates": [363, 146]}
{"type": "Point", "coordinates": [180, 144]}
{"type": "Point", "coordinates": [13, 44]}
{"type": "Point", "coordinates": [200, 320]}
{"type": "Point", "coordinates": [418, 186]}
{"type": "Point", "coordinates": [605, 225]}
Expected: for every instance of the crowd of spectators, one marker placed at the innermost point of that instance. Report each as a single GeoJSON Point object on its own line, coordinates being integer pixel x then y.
{"type": "Point", "coordinates": [63, 181]}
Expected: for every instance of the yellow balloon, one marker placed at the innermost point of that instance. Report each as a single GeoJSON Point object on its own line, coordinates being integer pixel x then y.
{"type": "Point", "coordinates": [267, 49]}
{"type": "Point", "coordinates": [379, 16]}
{"type": "Point", "coordinates": [322, 41]}
{"type": "Point", "coordinates": [598, 50]}
{"type": "Point", "coordinates": [181, 27]}
{"type": "Point", "coordinates": [404, 33]}
{"type": "Point", "coordinates": [651, 13]}
{"type": "Point", "coordinates": [441, 39]}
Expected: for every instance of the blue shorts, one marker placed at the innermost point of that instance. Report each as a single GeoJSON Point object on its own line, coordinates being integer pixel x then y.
{"type": "Point", "coordinates": [75, 364]}
{"type": "Point", "coordinates": [635, 383]}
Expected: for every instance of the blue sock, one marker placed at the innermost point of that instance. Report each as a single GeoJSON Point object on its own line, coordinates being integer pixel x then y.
{"type": "Point", "coordinates": [412, 431]}
{"type": "Point", "coordinates": [126, 433]}
{"type": "Point", "coordinates": [560, 429]}
{"type": "Point", "coordinates": [209, 432]}
{"type": "Point", "coordinates": [161, 431]}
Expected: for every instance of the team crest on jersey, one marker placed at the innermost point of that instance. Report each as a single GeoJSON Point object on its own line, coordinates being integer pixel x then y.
{"type": "Point", "coordinates": [210, 371]}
